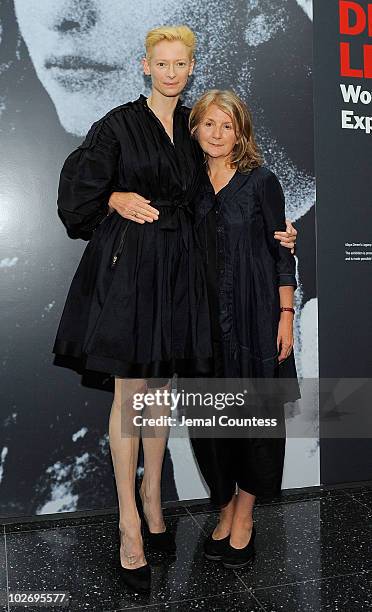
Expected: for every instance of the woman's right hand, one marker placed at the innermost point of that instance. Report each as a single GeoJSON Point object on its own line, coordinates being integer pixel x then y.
{"type": "Point", "coordinates": [133, 206]}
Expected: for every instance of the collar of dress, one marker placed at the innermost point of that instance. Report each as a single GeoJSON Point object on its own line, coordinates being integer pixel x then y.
{"type": "Point", "coordinates": [143, 101]}
{"type": "Point", "coordinates": [207, 197]}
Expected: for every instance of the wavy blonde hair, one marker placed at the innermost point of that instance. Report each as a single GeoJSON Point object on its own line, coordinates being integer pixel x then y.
{"type": "Point", "coordinates": [246, 155]}
{"type": "Point", "coordinates": [171, 33]}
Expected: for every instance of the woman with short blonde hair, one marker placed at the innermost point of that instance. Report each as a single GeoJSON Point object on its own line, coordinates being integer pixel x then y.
{"type": "Point", "coordinates": [137, 307]}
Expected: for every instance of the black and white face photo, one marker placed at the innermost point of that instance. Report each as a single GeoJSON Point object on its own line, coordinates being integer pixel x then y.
{"type": "Point", "coordinates": [87, 55]}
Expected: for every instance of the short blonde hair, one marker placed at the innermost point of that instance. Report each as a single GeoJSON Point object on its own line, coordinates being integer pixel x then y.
{"type": "Point", "coordinates": [246, 154]}
{"type": "Point", "coordinates": [171, 33]}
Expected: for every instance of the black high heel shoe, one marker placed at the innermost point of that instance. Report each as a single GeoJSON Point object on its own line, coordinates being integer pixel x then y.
{"type": "Point", "coordinates": [138, 579]}
{"type": "Point", "coordinates": [234, 558]}
{"type": "Point", "coordinates": [160, 542]}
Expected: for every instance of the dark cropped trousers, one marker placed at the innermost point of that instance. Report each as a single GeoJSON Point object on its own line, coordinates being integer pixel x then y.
{"type": "Point", "coordinates": [254, 465]}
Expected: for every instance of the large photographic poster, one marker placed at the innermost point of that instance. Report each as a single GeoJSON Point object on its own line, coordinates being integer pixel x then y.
{"type": "Point", "coordinates": [343, 113]}
{"type": "Point", "coordinates": [62, 66]}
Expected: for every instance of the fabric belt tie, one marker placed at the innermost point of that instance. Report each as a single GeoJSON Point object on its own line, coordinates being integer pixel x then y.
{"type": "Point", "coordinates": [178, 216]}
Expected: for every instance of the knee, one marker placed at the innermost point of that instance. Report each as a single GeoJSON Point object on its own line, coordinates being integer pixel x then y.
{"type": "Point", "coordinates": [158, 384]}
{"type": "Point", "coordinates": [126, 388]}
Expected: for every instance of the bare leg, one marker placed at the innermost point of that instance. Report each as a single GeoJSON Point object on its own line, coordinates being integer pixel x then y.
{"type": "Point", "coordinates": [154, 440]}
{"type": "Point", "coordinates": [124, 453]}
{"type": "Point", "coordinates": [242, 523]}
{"type": "Point", "coordinates": [223, 527]}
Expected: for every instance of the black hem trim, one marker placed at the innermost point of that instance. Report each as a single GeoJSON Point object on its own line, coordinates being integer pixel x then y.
{"type": "Point", "coordinates": [69, 354]}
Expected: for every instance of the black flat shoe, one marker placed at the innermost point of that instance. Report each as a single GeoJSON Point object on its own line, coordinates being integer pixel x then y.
{"type": "Point", "coordinates": [215, 549]}
{"type": "Point", "coordinates": [138, 579]}
{"type": "Point", "coordinates": [239, 557]}
{"type": "Point", "coordinates": [160, 542]}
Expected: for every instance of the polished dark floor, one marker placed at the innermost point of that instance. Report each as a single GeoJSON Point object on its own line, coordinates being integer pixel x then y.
{"type": "Point", "coordinates": [314, 553]}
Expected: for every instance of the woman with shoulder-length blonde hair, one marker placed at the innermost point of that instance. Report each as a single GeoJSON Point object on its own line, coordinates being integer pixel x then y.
{"type": "Point", "coordinates": [251, 283]}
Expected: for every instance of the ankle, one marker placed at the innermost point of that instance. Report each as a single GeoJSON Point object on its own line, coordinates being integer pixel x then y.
{"type": "Point", "coordinates": [243, 521]}
{"type": "Point", "coordinates": [225, 518]}
{"type": "Point", "coordinates": [150, 491]}
{"type": "Point", "coordinates": [130, 526]}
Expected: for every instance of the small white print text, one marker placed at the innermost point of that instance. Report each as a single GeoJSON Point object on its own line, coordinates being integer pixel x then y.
{"type": "Point", "coordinates": [222, 421]}
{"type": "Point", "coordinates": [358, 251]}
{"type": "Point", "coordinates": [33, 598]}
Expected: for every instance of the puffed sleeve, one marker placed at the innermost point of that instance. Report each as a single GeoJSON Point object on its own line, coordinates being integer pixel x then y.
{"type": "Point", "coordinates": [273, 209]}
{"type": "Point", "coordinates": [86, 181]}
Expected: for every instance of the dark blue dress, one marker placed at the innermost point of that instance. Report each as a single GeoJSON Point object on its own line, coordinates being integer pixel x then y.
{"type": "Point", "coordinates": [137, 306]}
{"type": "Point", "coordinates": [250, 266]}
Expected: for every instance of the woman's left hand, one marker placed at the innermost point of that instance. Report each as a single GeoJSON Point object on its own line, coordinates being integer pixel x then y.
{"type": "Point", "coordinates": [285, 336]}
{"type": "Point", "coordinates": [287, 238]}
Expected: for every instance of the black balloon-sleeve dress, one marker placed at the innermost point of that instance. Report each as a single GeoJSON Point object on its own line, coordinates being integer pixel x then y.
{"type": "Point", "coordinates": [245, 267]}
{"type": "Point", "coordinates": [137, 305]}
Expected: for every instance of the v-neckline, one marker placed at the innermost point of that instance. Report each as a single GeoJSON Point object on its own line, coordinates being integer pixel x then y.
{"type": "Point", "coordinates": [217, 193]}
{"type": "Point", "coordinates": [171, 140]}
